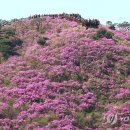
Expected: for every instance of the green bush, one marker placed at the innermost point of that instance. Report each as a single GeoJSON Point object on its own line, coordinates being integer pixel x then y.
{"type": "Point", "coordinates": [125, 68]}
{"type": "Point", "coordinates": [102, 33]}
{"type": "Point", "coordinates": [42, 30]}
{"type": "Point", "coordinates": [6, 81]}
{"type": "Point", "coordinates": [80, 120]}
{"type": "Point", "coordinates": [8, 47]}
{"type": "Point", "coordinates": [9, 43]}
{"type": "Point", "coordinates": [109, 35]}
{"type": "Point", "coordinates": [42, 41]}
{"type": "Point", "coordinates": [45, 120]}
{"type": "Point", "coordinates": [9, 31]}
{"type": "Point", "coordinates": [5, 48]}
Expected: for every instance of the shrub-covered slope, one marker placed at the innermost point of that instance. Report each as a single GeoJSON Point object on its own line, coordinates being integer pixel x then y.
{"type": "Point", "coordinates": [65, 77]}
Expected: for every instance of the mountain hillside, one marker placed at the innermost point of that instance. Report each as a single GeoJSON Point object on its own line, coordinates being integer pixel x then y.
{"type": "Point", "coordinates": [57, 74]}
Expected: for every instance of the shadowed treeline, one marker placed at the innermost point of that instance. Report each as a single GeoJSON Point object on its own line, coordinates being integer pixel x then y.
{"type": "Point", "coordinates": [88, 23]}
{"type": "Point", "coordinates": [94, 23]}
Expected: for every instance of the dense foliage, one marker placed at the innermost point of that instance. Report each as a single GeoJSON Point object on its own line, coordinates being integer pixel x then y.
{"type": "Point", "coordinates": [102, 33]}
{"type": "Point", "coordinates": [124, 25]}
{"type": "Point", "coordinates": [42, 41]}
{"type": "Point", "coordinates": [72, 83]}
{"type": "Point", "coordinates": [9, 43]}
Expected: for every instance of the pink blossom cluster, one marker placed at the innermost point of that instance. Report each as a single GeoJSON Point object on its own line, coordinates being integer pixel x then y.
{"type": "Point", "coordinates": [69, 84]}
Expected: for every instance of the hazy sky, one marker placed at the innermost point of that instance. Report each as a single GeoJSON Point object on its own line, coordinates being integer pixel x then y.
{"type": "Point", "coordinates": [104, 10]}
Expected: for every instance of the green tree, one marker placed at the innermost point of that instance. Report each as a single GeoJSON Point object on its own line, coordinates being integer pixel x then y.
{"type": "Point", "coordinates": [109, 23]}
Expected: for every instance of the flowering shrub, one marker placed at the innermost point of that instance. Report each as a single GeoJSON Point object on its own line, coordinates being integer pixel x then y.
{"type": "Point", "coordinates": [70, 84]}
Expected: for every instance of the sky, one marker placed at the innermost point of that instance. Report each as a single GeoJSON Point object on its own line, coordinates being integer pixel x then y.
{"type": "Point", "coordinates": [105, 10]}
